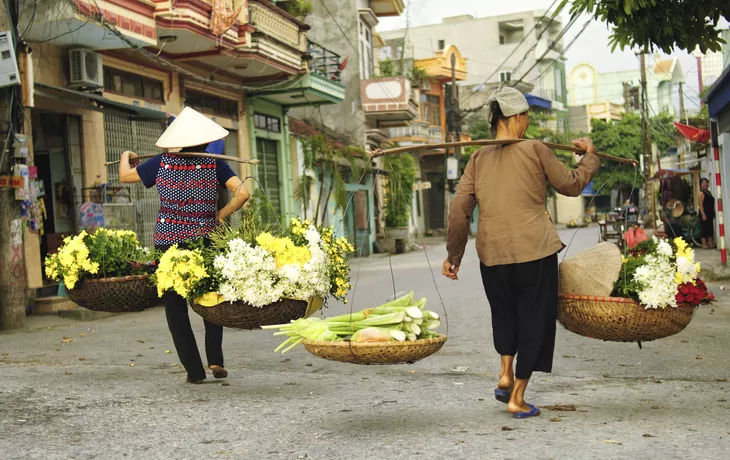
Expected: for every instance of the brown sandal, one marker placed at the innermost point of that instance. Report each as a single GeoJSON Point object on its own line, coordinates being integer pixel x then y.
{"type": "Point", "coordinates": [219, 372]}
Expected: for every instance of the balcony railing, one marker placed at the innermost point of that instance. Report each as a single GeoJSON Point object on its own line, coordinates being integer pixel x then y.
{"type": "Point", "coordinates": [324, 62]}
{"type": "Point", "coordinates": [273, 24]}
{"type": "Point", "coordinates": [417, 129]}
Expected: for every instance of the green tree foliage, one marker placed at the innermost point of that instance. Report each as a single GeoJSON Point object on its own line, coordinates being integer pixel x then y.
{"type": "Point", "coordinates": [328, 165]}
{"type": "Point", "coordinates": [622, 138]}
{"type": "Point", "coordinates": [664, 24]}
{"type": "Point", "coordinates": [399, 190]}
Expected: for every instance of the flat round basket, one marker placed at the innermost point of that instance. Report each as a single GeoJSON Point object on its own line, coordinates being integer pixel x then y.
{"type": "Point", "coordinates": [115, 295]}
{"type": "Point", "coordinates": [619, 319]}
{"type": "Point", "coordinates": [241, 315]}
{"type": "Point", "coordinates": [376, 352]}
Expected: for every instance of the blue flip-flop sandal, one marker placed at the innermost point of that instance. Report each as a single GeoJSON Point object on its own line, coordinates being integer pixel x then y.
{"type": "Point", "coordinates": [533, 412]}
{"type": "Point", "coordinates": [502, 395]}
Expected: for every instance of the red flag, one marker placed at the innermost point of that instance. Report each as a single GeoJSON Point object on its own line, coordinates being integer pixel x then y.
{"type": "Point", "coordinates": [692, 133]}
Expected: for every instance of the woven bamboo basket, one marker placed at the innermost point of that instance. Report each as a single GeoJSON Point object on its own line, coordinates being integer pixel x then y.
{"type": "Point", "coordinates": [241, 315]}
{"type": "Point", "coordinates": [115, 295]}
{"type": "Point", "coordinates": [376, 352]}
{"type": "Point", "coordinates": [619, 319]}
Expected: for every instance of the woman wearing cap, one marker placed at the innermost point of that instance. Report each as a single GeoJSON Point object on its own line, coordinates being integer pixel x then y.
{"type": "Point", "coordinates": [188, 188]}
{"type": "Point", "coordinates": [516, 242]}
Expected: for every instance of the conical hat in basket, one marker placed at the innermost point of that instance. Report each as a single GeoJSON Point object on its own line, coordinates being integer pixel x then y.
{"type": "Point", "coordinates": [189, 129]}
{"type": "Point", "coordinates": [592, 272]}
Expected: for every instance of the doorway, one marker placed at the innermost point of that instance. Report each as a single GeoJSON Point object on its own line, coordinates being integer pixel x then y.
{"type": "Point", "coordinates": [58, 157]}
{"type": "Point", "coordinates": [436, 201]}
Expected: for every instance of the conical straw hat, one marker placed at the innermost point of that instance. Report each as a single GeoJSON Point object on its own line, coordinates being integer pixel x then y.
{"type": "Point", "coordinates": [190, 128]}
{"type": "Point", "coordinates": [592, 272]}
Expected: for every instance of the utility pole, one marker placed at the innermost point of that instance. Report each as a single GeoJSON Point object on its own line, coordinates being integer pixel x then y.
{"type": "Point", "coordinates": [13, 282]}
{"type": "Point", "coordinates": [454, 128]}
{"type": "Point", "coordinates": [699, 75]}
{"type": "Point", "coordinates": [646, 143]}
{"type": "Point", "coordinates": [627, 105]}
{"type": "Point", "coordinates": [682, 113]}
{"type": "Point", "coordinates": [455, 113]}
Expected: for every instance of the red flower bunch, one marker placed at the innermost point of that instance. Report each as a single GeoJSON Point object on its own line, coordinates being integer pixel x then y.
{"type": "Point", "coordinates": [694, 294]}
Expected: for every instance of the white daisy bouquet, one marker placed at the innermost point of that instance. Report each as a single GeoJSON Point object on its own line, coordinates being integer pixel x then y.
{"type": "Point", "coordinates": [262, 267]}
{"type": "Point", "coordinates": [660, 274]}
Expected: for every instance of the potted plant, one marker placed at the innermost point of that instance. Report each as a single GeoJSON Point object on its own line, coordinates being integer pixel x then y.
{"type": "Point", "coordinates": [399, 199]}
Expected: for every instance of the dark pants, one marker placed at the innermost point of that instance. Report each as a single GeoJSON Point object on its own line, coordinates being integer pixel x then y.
{"type": "Point", "coordinates": [178, 321]}
{"type": "Point", "coordinates": [524, 302]}
{"type": "Point", "coordinates": [708, 227]}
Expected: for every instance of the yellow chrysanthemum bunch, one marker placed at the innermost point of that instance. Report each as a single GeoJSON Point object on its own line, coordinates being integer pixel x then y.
{"type": "Point", "coordinates": [339, 268]}
{"type": "Point", "coordinates": [180, 270]}
{"type": "Point", "coordinates": [71, 260]}
{"type": "Point", "coordinates": [115, 234]}
{"type": "Point", "coordinates": [284, 251]}
{"type": "Point", "coordinates": [687, 268]}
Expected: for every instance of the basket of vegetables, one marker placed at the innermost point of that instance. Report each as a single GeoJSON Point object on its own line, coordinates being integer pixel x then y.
{"type": "Point", "coordinates": [249, 277]}
{"type": "Point", "coordinates": [399, 332]}
{"type": "Point", "coordinates": [656, 295]}
{"type": "Point", "coordinates": [107, 270]}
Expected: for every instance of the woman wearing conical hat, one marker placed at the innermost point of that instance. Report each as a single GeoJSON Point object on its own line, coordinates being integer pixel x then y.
{"type": "Point", "coordinates": [188, 188]}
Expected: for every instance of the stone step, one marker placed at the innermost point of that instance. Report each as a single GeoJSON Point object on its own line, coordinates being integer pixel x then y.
{"type": "Point", "coordinates": [65, 308]}
{"type": "Point", "coordinates": [52, 305]}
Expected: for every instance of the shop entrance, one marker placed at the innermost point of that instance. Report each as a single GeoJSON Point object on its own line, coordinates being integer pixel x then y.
{"type": "Point", "coordinates": [58, 156]}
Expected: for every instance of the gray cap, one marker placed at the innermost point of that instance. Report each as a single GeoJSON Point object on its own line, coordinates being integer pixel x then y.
{"type": "Point", "coordinates": [511, 101]}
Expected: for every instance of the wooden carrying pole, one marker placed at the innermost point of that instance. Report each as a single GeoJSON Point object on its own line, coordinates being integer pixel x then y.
{"type": "Point", "coordinates": [570, 148]}
{"type": "Point", "coordinates": [194, 155]}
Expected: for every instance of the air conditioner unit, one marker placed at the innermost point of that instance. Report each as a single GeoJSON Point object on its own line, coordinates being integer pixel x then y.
{"type": "Point", "coordinates": [425, 84]}
{"type": "Point", "coordinates": [87, 70]}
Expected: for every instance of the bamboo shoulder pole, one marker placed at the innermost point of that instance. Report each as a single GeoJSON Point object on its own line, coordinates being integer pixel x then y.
{"type": "Point", "coordinates": [411, 148]}
{"type": "Point", "coordinates": [195, 155]}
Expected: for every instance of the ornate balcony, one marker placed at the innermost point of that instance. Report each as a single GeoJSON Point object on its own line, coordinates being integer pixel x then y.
{"type": "Point", "coordinates": [389, 99]}
{"type": "Point", "coordinates": [262, 42]}
{"type": "Point", "coordinates": [84, 23]}
{"type": "Point", "coordinates": [320, 85]}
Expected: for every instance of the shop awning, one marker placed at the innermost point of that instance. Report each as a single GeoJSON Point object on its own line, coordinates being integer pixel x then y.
{"type": "Point", "coordinates": [96, 102]}
{"type": "Point", "coordinates": [537, 101]}
{"type": "Point", "coordinates": [718, 98]}
{"type": "Point", "coordinates": [692, 133]}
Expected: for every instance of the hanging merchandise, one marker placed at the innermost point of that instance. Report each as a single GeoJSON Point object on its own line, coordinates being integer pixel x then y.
{"type": "Point", "coordinates": [223, 16]}
{"type": "Point", "coordinates": [22, 193]}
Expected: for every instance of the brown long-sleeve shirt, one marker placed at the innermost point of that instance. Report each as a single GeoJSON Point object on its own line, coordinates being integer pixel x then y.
{"type": "Point", "coordinates": [509, 185]}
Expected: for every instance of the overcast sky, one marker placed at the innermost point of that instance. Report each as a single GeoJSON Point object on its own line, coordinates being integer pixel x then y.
{"type": "Point", "coordinates": [592, 46]}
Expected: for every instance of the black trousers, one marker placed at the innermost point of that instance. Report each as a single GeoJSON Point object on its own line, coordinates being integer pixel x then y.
{"type": "Point", "coordinates": [178, 321]}
{"type": "Point", "coordinates": [708, 227]}
{"type": "Point", "coordinates": [523, 298]}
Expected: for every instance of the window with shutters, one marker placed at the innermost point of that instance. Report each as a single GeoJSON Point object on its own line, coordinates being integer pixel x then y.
{"type": "Point", "coordinates": [133, 85]}
{"type": "Point", "coordinates": [213, 105]}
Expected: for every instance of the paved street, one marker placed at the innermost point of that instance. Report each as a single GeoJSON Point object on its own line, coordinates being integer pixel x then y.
{"type": "Point", "coordinates": [83, 399]}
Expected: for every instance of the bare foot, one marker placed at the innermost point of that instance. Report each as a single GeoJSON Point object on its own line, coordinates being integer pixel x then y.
{"type": "Point", "coordinates": [514, 407]}
{"type": "Point", "coordinates": [506, 382]}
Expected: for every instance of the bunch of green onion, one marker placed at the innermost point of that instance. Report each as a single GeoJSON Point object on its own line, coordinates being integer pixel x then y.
{"type": "Point", "coordinates": [399, 320]}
